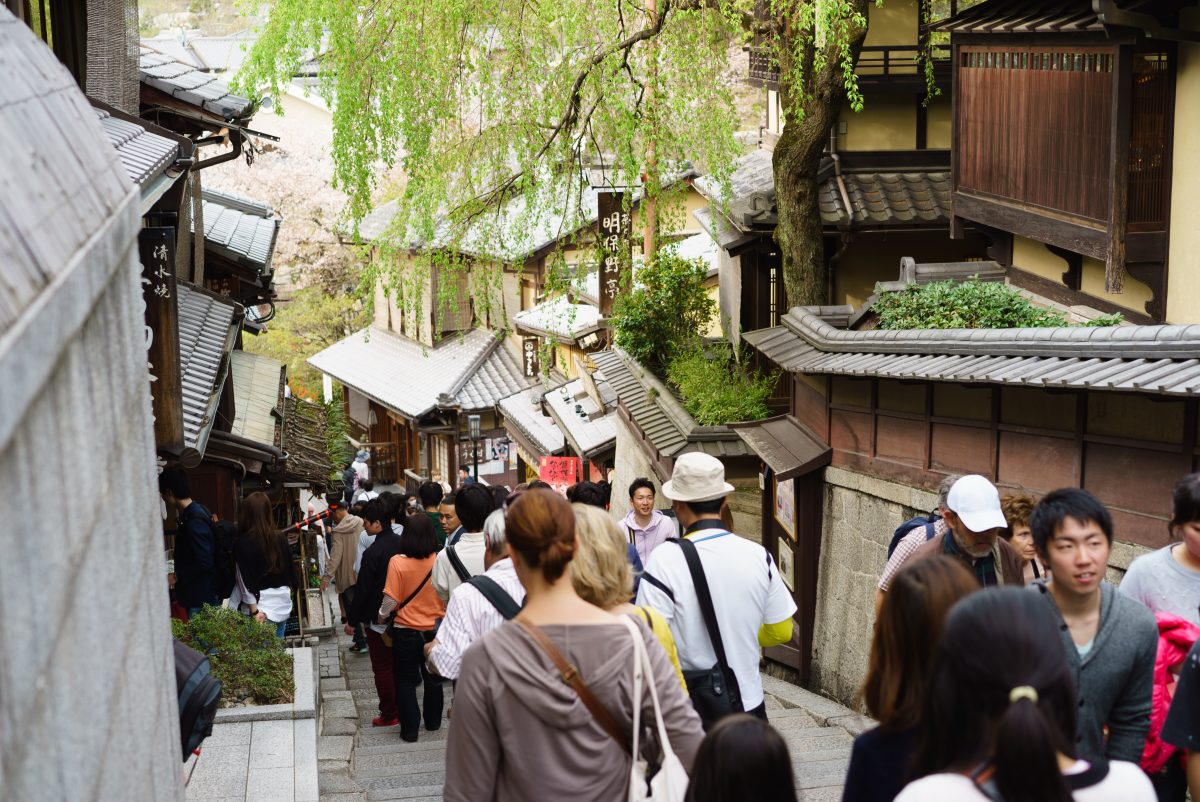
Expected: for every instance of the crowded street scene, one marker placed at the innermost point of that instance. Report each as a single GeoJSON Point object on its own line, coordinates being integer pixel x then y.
{"type": "Point", "coordinates": [635, 400]}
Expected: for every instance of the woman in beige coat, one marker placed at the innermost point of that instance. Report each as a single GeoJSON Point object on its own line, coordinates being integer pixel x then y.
{"type": "Point", "coordinates": [340, 566]}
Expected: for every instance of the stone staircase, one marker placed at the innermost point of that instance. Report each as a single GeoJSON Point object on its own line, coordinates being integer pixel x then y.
{"type": "Point", "coordinates": [382, 767]}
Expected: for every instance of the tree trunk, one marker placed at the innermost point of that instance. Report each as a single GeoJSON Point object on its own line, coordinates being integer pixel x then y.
{"type": "Point", "coordinates": [797, 156]}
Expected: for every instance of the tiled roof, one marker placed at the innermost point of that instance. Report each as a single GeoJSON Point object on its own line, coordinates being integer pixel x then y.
{"type": "Point", "coordinates": [144, 154]}
{"type": "Point", "coordinates": [191, 86]}
{"type": "Point", "coordinates": [659, 414]}
{"type": "Point", "coordinates": [208, 326]}
{"type": "Point", "coordinates": [498, 376]}
{"type": "Point", "coordinates": [887, 199]}
{"type": "Point", "coordinates": [240, 229]}
{"type": "Point", "coordinates": [257, 392]}
{"type": "Point", "coordinates": [1163, 360]}
{"type": "Point", "coordinates": [405, 376]}
{"type": "Point", "coordinates": [1025, 16]}
{"type": "Point", "coordinates": [751, 174]}
{"type": "Point", "coordinates": [558, 318]}
{"type": "Point", "coordinates": [521, 411]}
{"type": "Point", "coordinates": [587, 435]}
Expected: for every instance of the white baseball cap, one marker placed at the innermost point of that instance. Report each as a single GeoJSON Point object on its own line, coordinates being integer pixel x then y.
{"type": "Point", "coordinates": [697, 477]}
{"type": "Point", "coordinates": [976, 501]}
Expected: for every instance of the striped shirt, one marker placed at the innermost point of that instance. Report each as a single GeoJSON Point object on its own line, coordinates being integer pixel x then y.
{"type": "Point", "coordinates": [470, 616]}
{"type": "Point", "coordinates": [906, 548]}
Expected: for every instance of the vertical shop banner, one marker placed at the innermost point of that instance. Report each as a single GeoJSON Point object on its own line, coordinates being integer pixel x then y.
{"type": "Point", "coordinates": [560, 472]}
{"type": "Point", "coordinates": [614, 227]}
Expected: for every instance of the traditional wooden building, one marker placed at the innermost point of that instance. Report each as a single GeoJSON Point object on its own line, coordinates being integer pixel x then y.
{"type": "Point", "coordinates": [1066, 119]}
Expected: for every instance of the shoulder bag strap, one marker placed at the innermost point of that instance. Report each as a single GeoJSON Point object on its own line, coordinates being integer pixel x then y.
{"type": "Point", "coordinates": [392, 618]}
{"type": "Point", "coordinates": [498, 597]}
{"type": "Point", "coordinates": [570, 675]}
{"type": "Point", "coordinates": [457, 564]}
{"type": "Point", "coordinates": [704, 596]}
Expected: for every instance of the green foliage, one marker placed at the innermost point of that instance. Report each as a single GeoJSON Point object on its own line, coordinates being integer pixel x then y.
{"type": "Point", "coordinates": [664, 312]}
{"type": "Point", "coordinates": [337, 446]}
{"type": "Point", "coordinates": [716, 389]}
{"type": "Point", "coordinates": [1110, 319]}
{"type": "Point", "coordinates": [970, 304]}
{"type": "Point", "coordinates": [244, 654]}
{"type": "Point", "coordinates": [311, 321]}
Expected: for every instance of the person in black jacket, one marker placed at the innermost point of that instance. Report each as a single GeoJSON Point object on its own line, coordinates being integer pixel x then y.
{"type": "Point", "coordinates": [368, 595]}
{"type": "Point", "coordinates": [265, 571]}
{"type": "Point", "coordinates": [195, 543]}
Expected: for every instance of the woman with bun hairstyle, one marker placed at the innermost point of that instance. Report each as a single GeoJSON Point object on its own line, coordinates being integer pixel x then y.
{"type": "Point", "coordinates": [999, 718]}
{"type": "Point", "coordinates": [519, 731]}
{"type": "Point", "coordinates": [906, 638]}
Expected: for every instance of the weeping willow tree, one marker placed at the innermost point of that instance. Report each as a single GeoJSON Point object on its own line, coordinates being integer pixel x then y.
{"type": "Point", "coordinates": [494, 108]}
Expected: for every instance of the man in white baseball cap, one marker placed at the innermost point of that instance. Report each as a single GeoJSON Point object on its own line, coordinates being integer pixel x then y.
{"type": "Point", "coordinates": [975, 522]}
{"type": "Point", "coordinates": [751, 605]}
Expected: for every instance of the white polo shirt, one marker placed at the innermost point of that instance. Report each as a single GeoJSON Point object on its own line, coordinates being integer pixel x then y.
{"type": "Point", "coordinates": [469, 549]}
{"type": "Point", "coordinates": [747, 592]}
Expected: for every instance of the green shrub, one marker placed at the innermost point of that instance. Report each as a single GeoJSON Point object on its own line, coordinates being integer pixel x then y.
{"type": "Point", "coordinates": [665, 311]}
{"type": "Point", "coordinates": [245, 655]}
{"type": "Point", "coordinates": [970, 304]}
{"type": "Point", "coordinates": [715, 389]}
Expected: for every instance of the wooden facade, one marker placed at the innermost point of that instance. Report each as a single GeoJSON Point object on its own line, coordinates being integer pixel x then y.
{"type": "Point", "coordinates": [1128, 449]}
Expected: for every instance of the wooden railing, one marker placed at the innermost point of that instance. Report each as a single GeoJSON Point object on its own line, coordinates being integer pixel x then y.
{"type": "Point", "coordinates": [874, 62]}
{"type": "Point", "coordinates": [383, 462]}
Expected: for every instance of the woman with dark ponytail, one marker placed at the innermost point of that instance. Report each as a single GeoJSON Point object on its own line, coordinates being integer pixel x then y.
{"type": "Point", "coordinates": [999, 719]}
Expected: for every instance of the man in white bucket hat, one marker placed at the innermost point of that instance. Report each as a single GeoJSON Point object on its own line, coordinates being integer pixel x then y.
{"type": "Point", "coordinates": [752, 606]}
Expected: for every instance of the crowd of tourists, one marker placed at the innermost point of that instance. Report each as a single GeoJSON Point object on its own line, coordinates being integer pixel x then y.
{"type": "Point", "coordinates": [599, 660]}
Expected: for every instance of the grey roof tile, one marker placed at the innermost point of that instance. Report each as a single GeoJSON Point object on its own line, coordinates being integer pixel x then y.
{"type": "Point", "coordinates": [257, 395]}
{"type": "Point", "coordinates": [144, 155]}
{"type": "Point", "coordinates": [240, 229]}
{"type": "Point", "coordinates": [186, 83]}
{"type": "Point", "coordinates": [208, 326]}
{"type": "Point", "coordinates": [519, 410]}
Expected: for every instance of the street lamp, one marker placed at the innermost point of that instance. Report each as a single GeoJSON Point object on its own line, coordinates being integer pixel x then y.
{"type": "Point", "coordinates": [473, 433]}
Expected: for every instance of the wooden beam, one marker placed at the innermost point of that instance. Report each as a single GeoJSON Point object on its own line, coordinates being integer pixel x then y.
{"type": "Point", "coordinates": [1118, 176]}
{"type": "Point", "coordinates": [956, 228]}
{"type": "Point", "coordinates": [1073, 235]}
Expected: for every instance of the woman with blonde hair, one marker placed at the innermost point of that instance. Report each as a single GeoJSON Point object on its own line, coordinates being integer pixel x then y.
{"type": "Point", "coordinates": [602, 576]}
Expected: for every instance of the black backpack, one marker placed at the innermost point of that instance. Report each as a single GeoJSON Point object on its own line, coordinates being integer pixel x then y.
{"type": "Point", "coordinates": [199, 693]}
{"type": "Point", "coordinates": [927, 521]}
{"type": "Point", "coordinates": [498, 597]}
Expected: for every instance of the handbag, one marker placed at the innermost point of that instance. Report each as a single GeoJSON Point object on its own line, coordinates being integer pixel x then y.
{"type": "Point", "coordinates": [714, 691]}
{"type": "Point", "coordinates": [665, 780]}
{"type": "Point", "coordinates": [390, 624]}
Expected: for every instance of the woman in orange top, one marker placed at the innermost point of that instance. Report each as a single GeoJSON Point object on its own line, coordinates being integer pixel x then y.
{"type": "Point", "coordinates": [410, 595]}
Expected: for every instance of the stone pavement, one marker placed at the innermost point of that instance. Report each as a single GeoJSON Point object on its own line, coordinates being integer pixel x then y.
{"type": "Point", "coordinates": [361, 763]}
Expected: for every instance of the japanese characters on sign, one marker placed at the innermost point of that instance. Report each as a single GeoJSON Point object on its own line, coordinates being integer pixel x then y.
{"type": "Point", "coordinates": [614, 248]}
{"type": "Point", "coordinates": [529, 356]}
{"type": "Point", "coordinates": [156, 249]}
{"type": "Point", "coordinates": [560, 472]}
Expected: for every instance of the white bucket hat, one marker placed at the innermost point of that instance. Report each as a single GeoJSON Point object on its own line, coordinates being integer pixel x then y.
{"type": "Point", "coordinates": [697, 477]}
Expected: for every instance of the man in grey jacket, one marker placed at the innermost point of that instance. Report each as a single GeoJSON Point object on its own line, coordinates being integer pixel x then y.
{"type": "Point", "coordinates": [1110, 639]}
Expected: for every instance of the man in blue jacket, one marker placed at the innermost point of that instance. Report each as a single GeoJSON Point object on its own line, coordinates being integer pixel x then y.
{"type": "Point", "coordinates": [195, 543]}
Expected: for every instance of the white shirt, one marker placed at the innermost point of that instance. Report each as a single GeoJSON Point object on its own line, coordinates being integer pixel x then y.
{"type": "Point", "coordinates": [747, 592]}
{"type": "Point", "coordinates": [364, 496]}
{"type": "Point", "coordinates": [470, 616]}
{"type": "Point", "coordinates": [1125, 782]}
{"type": "Point", "coordinates": [469, 549]}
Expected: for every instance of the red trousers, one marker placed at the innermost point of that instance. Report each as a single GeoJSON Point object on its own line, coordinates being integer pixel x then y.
{"type": "Point", "coordinates": [381, 667]}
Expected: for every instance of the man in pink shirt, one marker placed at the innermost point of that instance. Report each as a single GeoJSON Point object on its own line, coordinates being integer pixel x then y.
{"type": "Point", "coordinates": [645, 527]}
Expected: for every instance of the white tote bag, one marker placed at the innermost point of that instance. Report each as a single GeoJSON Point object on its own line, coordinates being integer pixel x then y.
{"type": "Point", "coordinates": [671, 782]}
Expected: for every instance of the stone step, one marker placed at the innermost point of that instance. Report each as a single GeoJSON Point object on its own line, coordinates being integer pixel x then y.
{"type": "Point", "coordinates": [428, 793]}
{"type": "Point", "coordinates": [397, 765]}
{"type": "Point", "coordinates": [398, 747]}
{"type": "Point", "coordinates": [430, 781]}
{"type": "Point", "coordinates": [383, 736]}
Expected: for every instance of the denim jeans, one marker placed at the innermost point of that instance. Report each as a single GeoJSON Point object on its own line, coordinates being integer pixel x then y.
{"type": "Point", "coordinates": [280, 628]}
{"type": "Point", "coordinates": [409, 671]}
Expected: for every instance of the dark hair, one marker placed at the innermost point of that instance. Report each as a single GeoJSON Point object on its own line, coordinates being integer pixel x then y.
{"type": "Point", "coordinates": [430, 494]}
{"type": "Point", "coordinates": [335, 500]}
{"type": "Point", "coordinates": [499, 494]}
{"type": "Point", "coordinates": [907, 632]}
{"type": "Point", "coordinates": [640, 482]}
{"type": "Point", "coordinates": [1185, 501]}
{"type": "Point", "coordinates": [706, 509]}
{"type": "Point", "coordinates": [993, 643]}
{"type": "Point", "coordinates": [605, 492]}
{"type": "Point", "coordinates": [538, 484]}
{"type": "Point", "coordinates": [450, 500]}
{"type": "Point", "coordinates": [540, 526]}
{"type": "Point", "coordinates": [742, 757]}
{"type": "Point", "coordinates": [366, 484]}
{"type": "Point", "coordinates": [420, 538]}
{"type": "Point", "coordinates": [378, 510]}
{"type": "Point", "coordinates": [473, 506]}
{"type": "Point", "coordinates": [175, 482]}
{"type": "Point", "coordinates": [464, 469]}
{"type": "Point", "coordinates": [394, 502]}
{"type": "Point", "coordinates": [1059, 505]}
{"type": "Point", "coordinates": [586, 493]}
{"type": "Point", "coordinates": [257, 521]}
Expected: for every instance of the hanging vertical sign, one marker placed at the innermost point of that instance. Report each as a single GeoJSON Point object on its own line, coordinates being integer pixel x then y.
{"type": "Point", "coordinates": [614, 248]}
{"type": "Point", "coordinates": [529, 357]}
{"type": "Point", "coordinates": [156, 249]}
{"type": "Point", "coordinates": [560, 472]}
